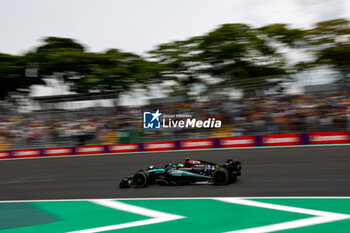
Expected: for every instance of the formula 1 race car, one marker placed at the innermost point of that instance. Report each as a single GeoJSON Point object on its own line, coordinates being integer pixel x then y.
{"type": "Point", "coordinates": [190, 172]}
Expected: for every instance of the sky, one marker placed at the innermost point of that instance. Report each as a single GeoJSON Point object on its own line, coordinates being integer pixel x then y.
{"type": "Point", "coordinates": [139, 25]}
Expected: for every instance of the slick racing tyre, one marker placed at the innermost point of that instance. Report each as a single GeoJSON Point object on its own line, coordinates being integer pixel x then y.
{"type": "Point", "coordinates": [140, 179]}
{"type": "Point", "coordinates": [221, 176]}
{"type": "Point", "coordinates": [233, 178]}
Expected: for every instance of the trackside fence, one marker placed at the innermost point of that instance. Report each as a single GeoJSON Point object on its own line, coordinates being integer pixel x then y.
{"type": "Point", "coordinates": [241, 141]}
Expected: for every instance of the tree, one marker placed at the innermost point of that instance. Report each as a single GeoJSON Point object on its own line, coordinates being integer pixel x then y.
{"type": "Point", "coordinates": [291, 37]}
{"type": "Point", "coordinates": [13, 76]}
{"type": "Point", "coordinates": [177, 62]}
{"type": "Point", "coordinates": [115, 70]}
{"type": "Point", "coordinates": [67, 60]}
{"type": "Point", "coordinates": [330, 41]}
{"type": "Point", "coordinates": [243, 58]}
{"type": "Point", "coordinates": [85, 71]}
{"type": "Point", "coordinates": [234, 55]}
{"type": "Point", "coordinates": [59, 57]}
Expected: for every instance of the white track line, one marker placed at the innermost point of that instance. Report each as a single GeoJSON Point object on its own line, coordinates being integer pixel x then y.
{"type": "Point", "coordinates": [321, 216]}
{"type": "Point", "coordinates": [156, 216]}
{"type": "Point", "coordinates": [177, 198]}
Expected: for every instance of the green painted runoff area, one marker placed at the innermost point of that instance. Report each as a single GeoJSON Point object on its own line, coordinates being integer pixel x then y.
{"type": "Point", "coordinates": [201, 215]}
{"type": "Point", "coordinates": [341, 206]}
{"type": "Point", "coordinates": [74, 215]}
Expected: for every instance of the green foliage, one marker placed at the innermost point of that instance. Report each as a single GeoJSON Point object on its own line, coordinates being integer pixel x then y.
{"type": "Point", "coordinates": [177, 62]}
{"type": "Point", "coordinates": [239, 54]}
{"type": "Point", "coordinates": [66, 59]}
{"type": "Point", "coordinates": [282, 33]}
{"type": "Point", "coordinates": [333, 41]}
{"type": "Point", "coordinates": [329, 42]}
{"type": "Point", "coordinates": [115, 70]}
{"type": "Point", "coordinates": [54, 44]}
{"type": "Point", "coordinates": [233, 55]}
{"type": "Point", "coordinates": [112, 70]}
{"type": "Point", "coordinates": [13, 75]}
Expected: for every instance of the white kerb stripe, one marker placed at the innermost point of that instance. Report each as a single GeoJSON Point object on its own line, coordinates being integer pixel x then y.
{"type": "Point", "coordinates": [322, 216]}
{"type": "Point", "coordinates": [133, 209]}
{"type": "Point", "coordinates": [286, 225]}
{"type": "Point", "coordinates": [157, 216]}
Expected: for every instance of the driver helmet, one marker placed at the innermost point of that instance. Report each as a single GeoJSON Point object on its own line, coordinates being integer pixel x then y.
{"type": "Point", "coordinates": [187, 162]}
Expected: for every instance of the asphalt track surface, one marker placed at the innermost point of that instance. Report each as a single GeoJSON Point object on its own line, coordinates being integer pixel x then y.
{"type": "Point", "coordinates": [300, 171]}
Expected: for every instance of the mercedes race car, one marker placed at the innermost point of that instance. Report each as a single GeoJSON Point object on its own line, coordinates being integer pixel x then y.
{"type": "Point", "coordinates": [190, 172]}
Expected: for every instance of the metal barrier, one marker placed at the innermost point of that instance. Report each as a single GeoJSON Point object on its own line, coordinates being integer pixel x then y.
{"type": "Point", "coordinates": [241, 141]}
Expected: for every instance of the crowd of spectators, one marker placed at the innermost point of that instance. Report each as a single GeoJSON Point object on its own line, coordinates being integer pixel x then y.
{"type": "Point", "coordinates": [246, 116]}
{"type": "Point", "coordinates": [61, 128]}
{"type": "Point", "coordinates": [268, 115]}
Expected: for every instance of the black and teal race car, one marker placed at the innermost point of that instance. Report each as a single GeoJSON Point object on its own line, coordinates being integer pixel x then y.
{"type": "Point", "coordinates": [190, 172]}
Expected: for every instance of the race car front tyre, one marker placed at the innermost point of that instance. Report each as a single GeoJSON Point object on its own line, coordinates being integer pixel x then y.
{"type": "Point", "coordinates": [221, 176]}
{"type": "Point", "coordinates": [233, 178]}
{"type": "Point", "coordinates": [140, 179]}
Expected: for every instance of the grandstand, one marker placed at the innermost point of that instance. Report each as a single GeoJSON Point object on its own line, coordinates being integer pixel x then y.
{"type": "Point", "coordinates": [52, 127]}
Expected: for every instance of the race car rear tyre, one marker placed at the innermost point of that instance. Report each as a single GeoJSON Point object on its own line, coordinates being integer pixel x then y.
{"type": "Point", "coordinates": [140, 179]}
{"type": "Point", "coordinates": [221, 176]}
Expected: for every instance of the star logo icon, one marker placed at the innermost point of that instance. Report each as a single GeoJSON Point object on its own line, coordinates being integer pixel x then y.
{"type": "Point", "coordinates": [151, 120]}
{"type": "Point", "coordinates": [156, 115]}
